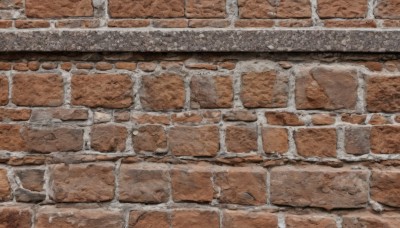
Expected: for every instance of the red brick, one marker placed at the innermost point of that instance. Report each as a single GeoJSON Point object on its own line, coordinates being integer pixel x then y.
{"type": "Point", "coordinates": [242, 185]}
{"type": "Point", "coordinates": [317, 186]}
{"type": "Point", "coordinates": [3, 90]}
{"type": "Point", "coordinates": [385, 139]}
{"type": "Point", "coordinates": [142, 219]}
{"type": "Point", "coordinates": [209, 23]}
{"type": "Point", "coordinates": [194, 141]}
{"type": "Point", "coordinates": [5, 187]}
{"type": "Point", "coordinates": [127, 23]}
{"type": "Point", "coordinates": [383, 94]}
{"type": "Point", "coordinates": [367, 219]}
{"type": "Point", "coordinates": [240, 115]}
{"type": "Point", "coordinates": [205, 9]}
{"type": "Point", "coordinates": [88, 23]}
{"type": "Point", "coordinates": [323, 119]}
{"type": "Point", "coordinates": [147, 66]}
{"type": "Point", "coordinates": [342, 8]}
{"type": "Point", "coordinates": [28, 24]}
{"type": "Point", "coordinates": [275, 140]}
{"type": "Point", "coordinates": [7, 114]}
{"type": "Point", "coordinates": [146, 8]}
{"type": "Point", "coordinates": [32, 179]}
{"type": "Point", "coordinates": [37, 90]}
{"type": "Point", "coordinates": [310, 221]}
{"type": "Point", "coordinates": [239, 219]}
{"type": "Point", "coordinates": [350, 23]}
{"type": "Point", "coordinates": [51, 216]}
{"type": "Point", "coordinates": [357, 140]}
{"type": "Point", "coordinates": [11, 138]}
{"type": "Point", "coordinates": [211, 92]}
{"type": "Point", "coordinates": [150, 138]}
{"type": "Point", "coordinates": [241, 139]}
{"type": "Point", "coordinates": [195, 219]}
{"type": "Point", "coordinates": [387, 9]}
{"type": "Point", "coordinates": [102, 90]}
{"type": "Point", "coordinates": [264, 90]}
{"type": "Point", "coordinates": [75, 183]}
{"type": "Point", "coordinates": [58, 8]}
{"type": "Point", "coordinates": [170, 23]}
{"type": "Point", "coordinates": [149, 118]}
{"type": "Point", "coordinates": [162, 93]}
{"type": "Point", "coordinates": [192, 183]}
{"type": "Point", "coordinates": [385, 187]}
{"type": "Point", "coordinates": [320, 142]}
{"type": "Point", "coordinates": [15, 216]}
{"type": "Point", "coordinates": [144, 183]}
{"type": "Point", "coordinates": [283, 118]}
{"type": "Point", "coordinates": [108, 138]}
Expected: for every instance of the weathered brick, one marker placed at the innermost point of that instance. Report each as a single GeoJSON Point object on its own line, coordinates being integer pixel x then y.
{"type": "Point", "coordinates": [283, 118]}
{"type": "Point", "coordinates": [256, 9]}
{"type": "Point", "coordinates": [170, 23]}
{"type": "Point", "coordinates": [387, 9]}
{"type": "Point", "coordinates": [64, 114]}
{"type": "Point", "coordinates": [378, 119]}
{"type": "Point", "coordinates": [3, 90]}
{"type": "Point", "coordinates": [310, 221]}
{"type": "Point", "coordinates": [10, 4]}
{"type": "Point", "coordinates": [75, 183]}
{"type": "Point", "coordinates": [150, 138]}
{"type": "Point", "coordinates": [211, 92]}
{"type": "Point", "coordinates": [129, 23]}
{"type": "Point", "coordinates": [46, 140]}
{"type": "Point", "coordinates": [11, 138]}
{"type": "Point", "coordinates": [195, 219]}
{"type": "Point", "coordinates": [192, 183]}
{"type": "Point", "coordinates": [37, 90]}
{"type": "Point", "coordinates": [240, 115]}
{"type": "Point", "coordinates": [102, 90]}
{"type": "Point", "coordinates": [270, 9]}
{"type": "Point", "coordinates": [264, 90]}
{"type": "Point", "coordinates": [28, 24]}
{"type": "Point", "coordinates": [146, 8]}
{"type": "Point", "coordinates": [327, 88]}
{"type": "Point", "coordinates": [50, 216]}
{"type": "Point", "coordinates": [242, 185]}
{"type": "Point", "coordinates": [239, 219]}
{"type": "Point", "coordinates": [5, 187]}
{"type": "Point", "coordinates": [315, 186]}
{"type": "Point", "coordinates": [144, 183]}
{"type": "Point", "coordinates": [385, 139]}
{"type": "Point", "coordinates": [357, 140]}
{"type": "Point", "coordinates": [275, 140]}
{"type": "Point", "coordinates": [15, 216]}
{"type": "Point", "coordinates": [58, 8]}
{"type": "Point", "coordinates": [142, 219]}
{"type": "Point", "coordinates": [320, 142]}
{"type": "Point", "coordinates": [383, 94]}
{"type": "Point", "coordinates": [354, 118]}
{"type": "Point", "coordinates": [209, 23]}
{"type": "Point", "coordinates": [294, 9]}
{"type": "Point", "coordinates": [241, 138]}
{"type": "Point", "coordinates": [367, 219]}
{"type": "Point", "coordinates": [194, 141]}
{"type": "Point", "coordinates": [32, 179]}
{"type": "Point", "coordinates": [342, 9]}
{"type": "Point", "coordinates": [162, 93]}
{"type": "Point", "coordinates": [8, 114]}
{"type": "Point", "coordinates": [385, 187]}
{"type": "Point", "coordinates": [108, 138]}
{"type": "Point", "coordinates": [150, 118]}
{"type": "Point", "coordinates": [205, 9]}
{"type": "Point", "coordinates": [323, 119]}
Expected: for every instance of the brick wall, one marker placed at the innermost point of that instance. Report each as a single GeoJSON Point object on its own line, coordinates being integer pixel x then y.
{"type": "Point", "coordinates": [25, 14]}
{"type": "Point", "coordinates": [199, 140]}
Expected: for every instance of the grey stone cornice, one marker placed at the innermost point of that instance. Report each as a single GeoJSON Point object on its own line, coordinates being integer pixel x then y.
{"type": "Point", "coordinates": [201, 40]}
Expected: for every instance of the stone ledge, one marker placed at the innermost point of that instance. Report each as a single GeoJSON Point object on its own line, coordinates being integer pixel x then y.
{"type": "Point", "coordinates": [211, 40]}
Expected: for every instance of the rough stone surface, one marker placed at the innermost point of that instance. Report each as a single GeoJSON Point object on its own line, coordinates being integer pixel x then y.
{"type": "Point", "coordinates": [5, 187]}
{"type": "Point", "coordinates": [150, 138]}
{"type": "Point", "coordinates": [327, 188]}
{"type": "Point", "coordinates": [156, 219]}
{"type": "Point", "coordinates": [15, 216]}
{"type": "Point", "coordinates": [320, 142]}
{"type": "Point", "coordinates": [211, 92]}
{"type": "Point", "coordinates": [31, 179]}
{"type": "Point", "coordinates": [283, 118]}
{"type": "Point", "coordinates": [192, 183]}
{"type": "Point", "coordinates": [387, 9]}
{"type": "Point", "coordinates": [102, 90]}
{"type": "Point", "coordinates": [385, 187]}
{"type": "Point", "coordinates": [3, 90]}
{"type": "Point", "coordinates": [383, 94]}
{"type": "Point", "coordinates": [58, 8]}
{"type": "Point", "coordinates": [238, 219]}
{"type": "Point", "coordinates": [301, 221]}
{"type": "Point", "coordinates": [326, 88]}
{"type": "Point", "coordinates": [240, 115]}
{"type": "Point", "coordinates": [146, 8]}
{"type": "Point", "coordinates": [357, 141]}
{"type": "Point", "coordinates": [385, 139]}
{"type": "Point", "coordinates": [215, 40]}
{"type": "Point", "coordinates": [108, 138]}
{"type": "Point", "coordinates": [11, 138]}
{"type": "Point", "coordinates": [144, 183]}
{"type": "Point", "coordinates": [162, 93]}
{"type": "Point", "coordinates": [342, 9]}
{"type": "Point", "coordinates": [205, 9]}
{"type": "Point", "coordinates": [53, 139]}
{"type": "Point", "coordinates": [195, 219]}
{"type": "Point", "coordinates": [275, 140]}
{"type": "Point", "coordinates": [37, 90]}
{"type": "Point", "coordinates": [194, 141]}
{"type": "Point", "coordinates": [93, 182]}
{"type": "Point", "coordinates": [366, 219]}
{"type": "Point", "coordinates": [241, 138]}
{"type": "Point", "coordinates": [50, 216]}
{"type": "Point", "coordinates": [242, 185]}
{"type": "Point", "coordinates": [264, 90]}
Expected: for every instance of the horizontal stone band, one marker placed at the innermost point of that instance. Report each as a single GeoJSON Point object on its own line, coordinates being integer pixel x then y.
{"type": "Point", "coordinates": [210, 40]}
